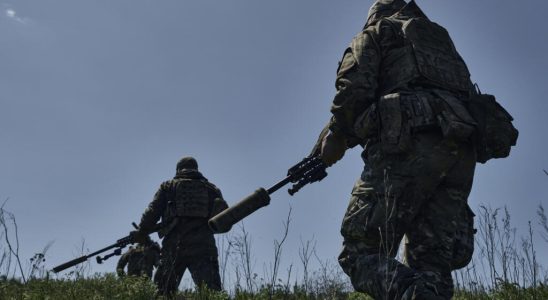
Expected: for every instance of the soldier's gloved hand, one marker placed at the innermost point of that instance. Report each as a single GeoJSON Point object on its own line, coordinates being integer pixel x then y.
{"type": "Point", "coordinates": [138, 236]}
{"type": "Point", "coordinates": [120, 273]}
{"type": "Point", "coordinates": [333, 148]}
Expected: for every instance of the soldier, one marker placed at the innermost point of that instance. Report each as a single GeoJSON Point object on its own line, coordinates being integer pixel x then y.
{"type": "Point", "coordinates": [141, 260]}
{"type": "Point", "coordinates": [185, 203]}
{"type": "Point", "coordinates": [401, 92]}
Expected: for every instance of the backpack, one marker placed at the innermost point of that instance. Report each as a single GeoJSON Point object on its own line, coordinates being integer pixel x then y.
{"type": "Point", "coordinates": [495, 133]}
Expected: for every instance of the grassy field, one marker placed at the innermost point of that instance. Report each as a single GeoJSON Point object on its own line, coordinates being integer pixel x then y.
{"type": "Point", "coordinates": [108, 286]}
{"type": "Point", "coordinates": [505, 266]}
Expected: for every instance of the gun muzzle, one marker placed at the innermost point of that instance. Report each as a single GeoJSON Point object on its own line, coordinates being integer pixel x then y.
{"type": "Point", "coordinates": [222, 222]}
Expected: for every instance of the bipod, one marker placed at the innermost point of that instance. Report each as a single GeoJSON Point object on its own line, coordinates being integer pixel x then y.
{"type": "Point", "coordinates": [116, 252]}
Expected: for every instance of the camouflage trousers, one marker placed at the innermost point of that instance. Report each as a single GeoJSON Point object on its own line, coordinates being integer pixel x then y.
{"type": "Point", "coordinates": [203, 267]}
{"type": "Point", "coordinates": [421, 194]}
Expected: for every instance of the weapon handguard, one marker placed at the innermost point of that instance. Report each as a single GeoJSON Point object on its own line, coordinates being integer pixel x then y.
{"type": "Point", "coordinates": [310, 169]}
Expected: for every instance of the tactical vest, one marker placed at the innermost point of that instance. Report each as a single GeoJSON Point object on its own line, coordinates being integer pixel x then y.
{"type": "Point", "coordinates": [428, 57]}
{"type": "Point", "coordinates": [191, 199]}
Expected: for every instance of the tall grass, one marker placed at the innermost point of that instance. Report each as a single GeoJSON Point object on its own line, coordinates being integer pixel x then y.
{"type": "Point", "coordinates": [505, 266]}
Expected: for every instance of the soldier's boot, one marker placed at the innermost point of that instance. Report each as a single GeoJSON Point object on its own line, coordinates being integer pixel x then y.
{"type": "Point", "coordinates": [379, 276]}
{"type": "Point", "coordinates": [421, 290]}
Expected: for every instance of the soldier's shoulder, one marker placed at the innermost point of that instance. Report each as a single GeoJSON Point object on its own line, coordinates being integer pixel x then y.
{"type": "Point", "coordinates": [385, 29]}
{"type": "Point", "coordinates": [212, 186]}
{"type": "Point", "coordinates": [363, 45]}
{"type": "Point", "coordinates": [168, 184]}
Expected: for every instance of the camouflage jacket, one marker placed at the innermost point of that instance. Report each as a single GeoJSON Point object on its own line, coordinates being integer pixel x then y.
{"type": "Point", "coordinates": [140, 260]}
{"type": "Point", "coordinates": [192, 232]}
{"type": "Point", "coordinates": [382, 59]}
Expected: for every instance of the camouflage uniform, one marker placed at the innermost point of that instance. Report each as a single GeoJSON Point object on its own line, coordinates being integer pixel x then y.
{"type": "Point", "coordinates": [140, 261]}
{"type": "Point", "coordinates": [186, 203]}
{"type": "Point", "coordinates": [401, 93]}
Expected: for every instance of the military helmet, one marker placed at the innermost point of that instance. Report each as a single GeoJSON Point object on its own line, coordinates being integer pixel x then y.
{"type": "Point", "coordinates": [187, 163]}
{"type": "Point", "coordinates": [413, 10]}
{"type": "Point", "coordinates": [383, 8]}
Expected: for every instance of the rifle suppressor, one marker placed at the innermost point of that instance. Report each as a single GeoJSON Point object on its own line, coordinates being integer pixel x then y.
{"type": "Point", "coordinates": [222, 222]}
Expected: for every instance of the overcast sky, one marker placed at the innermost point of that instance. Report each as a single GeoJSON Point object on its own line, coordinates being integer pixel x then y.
{"type": "Point", "coordinates": [99, 99]}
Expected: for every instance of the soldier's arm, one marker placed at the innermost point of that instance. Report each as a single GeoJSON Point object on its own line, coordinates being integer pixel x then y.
{"type": "Point", "coordinates": [155, 209]}
{"type": "Point", "coordinates": [356, 83]}
{"type": "Point", "coordinates": [219, 204]}
{"type": "Point", "coordinates": [122, 264]}
{"type": "Point", "coordinates": [316, 150]}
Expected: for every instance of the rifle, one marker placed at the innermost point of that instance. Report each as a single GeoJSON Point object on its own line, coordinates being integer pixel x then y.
{"type": "Point", "coordinates": [309, 170]}
{"type": "Point", "coordinates": [120, 244]}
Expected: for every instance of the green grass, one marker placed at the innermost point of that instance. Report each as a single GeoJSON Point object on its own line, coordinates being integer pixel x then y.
{"type": "Point", "coordinates": [505, 267]}
{"type": "Point", "coordinates": [108, 286]}
{"type": "Point", "coordinates": [506, 291]}
{"type": "Point", "coordinates": [97, 287]}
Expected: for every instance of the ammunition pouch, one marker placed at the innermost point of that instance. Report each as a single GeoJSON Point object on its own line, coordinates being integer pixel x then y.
{"type": "Point", "coordinates": [496, 134]}
{"type": "Point", "coordinates": [395, 133]}
{"type": "Point", "coordinates": [367, 124]}
{"type": "Point", "coordinates": [454, 119]}
{"type": "Point", "coordinates": [403, 114]}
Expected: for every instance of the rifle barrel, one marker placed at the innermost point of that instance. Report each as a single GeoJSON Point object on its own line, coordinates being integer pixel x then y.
{"type": "Point", "coordinates": [69, 264]}
{"type": "Point", "coordinates": [119, 244]}
{"type": "Point", "coordinates": [279, 185]}
{"type": "Point", "coordinates": [82, 259]}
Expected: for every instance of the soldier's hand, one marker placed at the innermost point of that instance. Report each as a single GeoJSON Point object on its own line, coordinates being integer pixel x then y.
{"type": "Point", "coordinates": [333, 148]}
{"type": "Point", "coordinates": [138, 236]}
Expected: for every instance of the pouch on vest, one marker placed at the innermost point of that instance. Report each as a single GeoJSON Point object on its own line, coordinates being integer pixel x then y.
{"type": "Point", "coordinates": [496, 134]}
{"type": "Point", "coordinates": [418, 111]}
{"type": "Point", "coordinates": [367, 124]}
{"type": "Point", "coordinates": [395, 134]}
{"type": "Point", "coordinates": [454, 119]}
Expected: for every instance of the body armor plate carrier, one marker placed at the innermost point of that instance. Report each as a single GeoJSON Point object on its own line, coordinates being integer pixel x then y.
{"type": "Point", "coordinates": [191, 199]}
{"type": "Point", "coordinates": [428, 56]}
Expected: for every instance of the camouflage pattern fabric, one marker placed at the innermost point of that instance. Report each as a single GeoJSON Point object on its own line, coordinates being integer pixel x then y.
{"type": "Point", "coordinates": [177, 257]}
{"type": "Point", "coordinates": [189, 243]}
{"type": "Point", "coordinates": [383, 8]}
{"type": "Point", "coordinates": [417, 194]}
{"type": "Point", "coordinates": [140, 261]}
{"type": "Point", "coordinates": [416, 180]}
